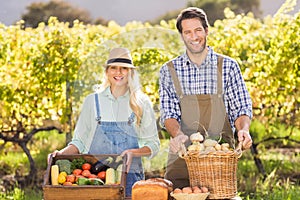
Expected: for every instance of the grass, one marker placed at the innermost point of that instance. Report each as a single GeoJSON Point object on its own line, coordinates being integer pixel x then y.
{"type": "Point", "coordinates": [280, 165]}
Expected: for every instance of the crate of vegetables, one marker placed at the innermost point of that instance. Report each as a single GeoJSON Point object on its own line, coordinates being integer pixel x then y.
{"type": "Point", "coordinates": [85, 176]}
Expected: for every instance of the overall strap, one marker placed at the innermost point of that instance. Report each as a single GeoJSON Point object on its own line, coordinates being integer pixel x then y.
{"type": "Point", "coordinates": [220, 81]}
{"type": "Point", "coordinates": [175, 79]}
{"type": "Point", "coordinates": [97, 108]}
{"type": "Point", "coordinates": [131, 118]}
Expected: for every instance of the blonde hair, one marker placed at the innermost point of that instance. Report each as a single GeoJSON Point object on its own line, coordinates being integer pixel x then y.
{"type": "Point", "coordinates": [134, 91]}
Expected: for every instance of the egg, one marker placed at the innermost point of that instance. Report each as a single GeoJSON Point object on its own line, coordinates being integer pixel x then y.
{"type": "Point", "coordinates": [177, 190]}
{"type": "Point", "coordinates": [204, 189]}
{"type": "Point", "coordinates": [196, 190]}
{"type": "Point", "coordinates": [187, 190]}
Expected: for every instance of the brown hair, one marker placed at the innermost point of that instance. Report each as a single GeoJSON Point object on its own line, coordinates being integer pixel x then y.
{"type": "Point", "coordinates": [190, 13]}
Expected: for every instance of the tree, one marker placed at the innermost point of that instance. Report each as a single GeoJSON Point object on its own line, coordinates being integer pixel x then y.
{"type": "Point", "coordinates": [215, 9]}
{"type": "Point", "coordinates": [46, 72]}
{"type": "Point", "coordinates": [41, 12]}
{"type": "Point", "coordinates": [101, 21]}
{"type": "Point", "coordinates": [36, 81]}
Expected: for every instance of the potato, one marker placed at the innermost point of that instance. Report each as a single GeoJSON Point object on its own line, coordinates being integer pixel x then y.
{"type": "Point", "coordinates": [210, 143]}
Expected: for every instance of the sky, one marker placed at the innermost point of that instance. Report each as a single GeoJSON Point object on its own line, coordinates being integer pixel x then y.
{"type": "Point", "coordinates": [121, 11]}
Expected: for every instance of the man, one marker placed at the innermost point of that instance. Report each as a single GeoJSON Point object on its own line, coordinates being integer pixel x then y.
{"type": "Point", "coordinates": [203, 91]}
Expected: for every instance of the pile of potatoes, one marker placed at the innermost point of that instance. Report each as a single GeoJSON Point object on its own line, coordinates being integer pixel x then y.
{"type": "Point", "coordinates": [207, 146]}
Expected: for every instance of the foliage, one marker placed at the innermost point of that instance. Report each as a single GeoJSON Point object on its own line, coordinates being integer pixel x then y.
{"type": "Point", "coordinates": [16, 194]}
{"type": "Point", "coordinates": [268, 53]}
{"type": "Point", "coordinates": [46, 72]}
{"type": "Point", "coordinates": [280, 184]}
{"type": "Point", "coordinates": [38, 12]}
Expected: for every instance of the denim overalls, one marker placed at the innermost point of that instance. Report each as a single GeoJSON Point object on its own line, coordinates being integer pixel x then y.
{"type": "Point", "coordinates": [114, 138]}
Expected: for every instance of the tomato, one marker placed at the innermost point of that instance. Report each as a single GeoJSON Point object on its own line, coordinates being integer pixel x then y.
{"type": "Point", "coordinates": [67, 183]}
{"type": "Point", "coordinates": [77, 172]}
{"type": "Point", "coordinates": [86, 173]}
{"type": "Point", "coordinates": [71, 178]}
{"type": "Point", "coordinates": [92, 176]}
{"type": "Point", "coordinates": [86, 166]}
{"type": "Point", "coordinates": [102, 175]}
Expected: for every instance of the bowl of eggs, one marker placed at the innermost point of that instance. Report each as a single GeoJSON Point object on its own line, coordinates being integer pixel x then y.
{"type": "Point", "coordinates": [190, 193]}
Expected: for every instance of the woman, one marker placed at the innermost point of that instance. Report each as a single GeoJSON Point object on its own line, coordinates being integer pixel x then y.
{"type": "Point", "coordinates": [118, 119]}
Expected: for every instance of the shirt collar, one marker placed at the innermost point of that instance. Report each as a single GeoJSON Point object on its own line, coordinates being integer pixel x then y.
{"type": "Point", "coordinates": [207, 60]}
{"type": "Point", "coordinates": [107, 93]}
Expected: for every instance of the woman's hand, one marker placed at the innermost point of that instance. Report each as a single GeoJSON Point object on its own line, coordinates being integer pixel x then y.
{"type": "Point", "coordinates": [53, 154]}
{"type": "Point", "coordinates": [144, 151]}
{"type": "Point", "coordinates": [70, 149]}
{"type": "Point", "coordinates": [129, 155]}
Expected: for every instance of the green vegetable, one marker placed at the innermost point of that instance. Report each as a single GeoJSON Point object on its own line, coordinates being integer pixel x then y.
{"type": "Point", "coordinates": [96, 181]}
{"type": "Point", "coordinates": [83, 181]}
{"type": "Point", "coordinates": [77, 163]}
{"type": "Point", "coordinates": [64, 165]}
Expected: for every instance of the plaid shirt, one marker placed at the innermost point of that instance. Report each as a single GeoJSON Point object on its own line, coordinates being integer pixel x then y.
{"type": "Point", "coordinates": [203, 80]}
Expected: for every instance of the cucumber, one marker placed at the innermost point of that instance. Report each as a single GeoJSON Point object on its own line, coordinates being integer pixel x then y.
{"type": "Point", "coordinates": [110, 177]}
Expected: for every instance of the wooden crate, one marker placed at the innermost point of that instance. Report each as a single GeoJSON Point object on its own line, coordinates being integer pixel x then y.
{"type": "Point", "coordinates": [92, 192]}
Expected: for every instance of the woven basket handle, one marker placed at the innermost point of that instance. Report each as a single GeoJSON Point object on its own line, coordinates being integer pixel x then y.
{"type": "Point", "coordinates": [239, 149]}
{"type": "Point", "coordinates": [182, 152]}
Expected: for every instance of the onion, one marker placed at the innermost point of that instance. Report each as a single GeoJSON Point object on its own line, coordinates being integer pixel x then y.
{"type": "Point", "coordinates": [196, 137]}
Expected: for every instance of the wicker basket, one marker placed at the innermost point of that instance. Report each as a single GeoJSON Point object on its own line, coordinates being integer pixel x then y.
{"type": "Point", "coordinates": [216, 171]}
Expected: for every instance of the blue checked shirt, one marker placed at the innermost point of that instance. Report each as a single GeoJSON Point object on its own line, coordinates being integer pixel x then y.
{"type": "Point", "coordinates": [203, 80]}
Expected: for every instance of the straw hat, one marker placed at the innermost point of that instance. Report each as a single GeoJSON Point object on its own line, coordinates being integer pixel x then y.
{"type": "Point", "coordinates": [120, 57]}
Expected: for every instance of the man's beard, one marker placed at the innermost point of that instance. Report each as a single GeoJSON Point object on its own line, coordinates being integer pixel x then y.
{"type": "Point", "coordinates": [192, 50]}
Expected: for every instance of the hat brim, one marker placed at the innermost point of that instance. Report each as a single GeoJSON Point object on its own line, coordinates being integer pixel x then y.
{"type": "Point", "coordinates": [120, 64]}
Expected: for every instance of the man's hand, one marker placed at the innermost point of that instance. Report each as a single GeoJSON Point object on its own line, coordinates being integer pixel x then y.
{"type": "Point", "coordinates": [175, 143]}
{"type": "Point", "coordinates": [245, 137]}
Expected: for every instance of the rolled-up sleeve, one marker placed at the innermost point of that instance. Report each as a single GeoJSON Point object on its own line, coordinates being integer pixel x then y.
{"type": "Point", "coordinates": [169, 102]}
{"type": "Point", "coordinates": [237, 96]}
{"type": "Point", "coordinates": [84, 130]}
{"type": "Point", "coordinates": [147, 131]}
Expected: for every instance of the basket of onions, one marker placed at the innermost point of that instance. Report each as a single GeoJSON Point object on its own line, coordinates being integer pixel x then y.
{"type": "Point", "coordinates": [213, 165]}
